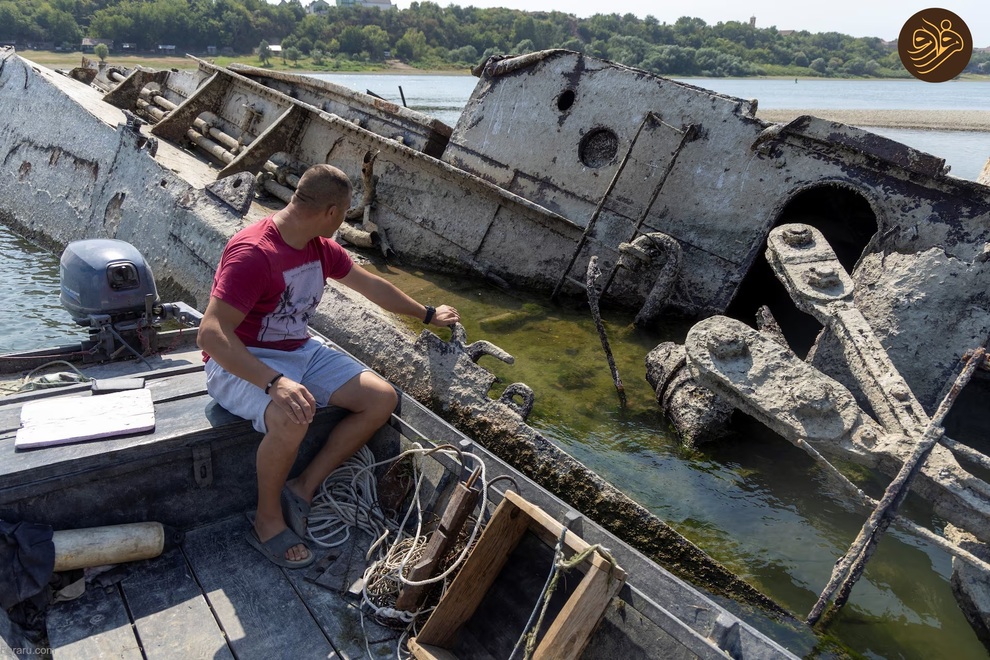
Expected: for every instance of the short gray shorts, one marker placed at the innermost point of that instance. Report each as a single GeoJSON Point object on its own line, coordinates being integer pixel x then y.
{"type": "Point", "coordinates": [319, 367]}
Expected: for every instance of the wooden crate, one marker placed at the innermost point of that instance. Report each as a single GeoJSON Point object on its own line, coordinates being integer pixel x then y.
{"type": "Point", "coordinates": [570, 630]}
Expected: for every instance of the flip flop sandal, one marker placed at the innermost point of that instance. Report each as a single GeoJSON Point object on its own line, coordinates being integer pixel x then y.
{"type": "Point", "coordinates": [295, 510]}
{"type": "Point", "coordinates": [274, 548]}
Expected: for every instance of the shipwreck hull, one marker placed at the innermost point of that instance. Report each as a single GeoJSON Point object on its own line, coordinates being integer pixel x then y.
{"type": "Point", "coordinates": [411, 128]}
{"type": "Point", "coordinates": [87, 175]}
{"type": "Point", "coordinates": [433, 214]}
{"type": "Point", "coordinates": [899, 222]}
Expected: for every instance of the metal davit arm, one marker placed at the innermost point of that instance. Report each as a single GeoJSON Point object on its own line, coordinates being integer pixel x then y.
{"type": "Point", "coordinates": [804, 262]}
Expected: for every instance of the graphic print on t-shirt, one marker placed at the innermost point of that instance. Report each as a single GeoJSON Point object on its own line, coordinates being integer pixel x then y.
{"type": "Point", "coordinates": [303, 290]}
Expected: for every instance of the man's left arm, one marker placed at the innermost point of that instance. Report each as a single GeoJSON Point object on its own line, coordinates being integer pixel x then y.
{"type": "Point", "coordinates": [388, 296]}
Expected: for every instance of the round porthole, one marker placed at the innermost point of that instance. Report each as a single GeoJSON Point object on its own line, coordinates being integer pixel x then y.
{"type": "Point", "coordinates": [565, 100]}
{"type": "Point", "coordinates": [598, 147]}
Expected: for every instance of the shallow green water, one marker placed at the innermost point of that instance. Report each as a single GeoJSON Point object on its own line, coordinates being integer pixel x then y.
{"type": "Point", "coordinates": [753, 501]}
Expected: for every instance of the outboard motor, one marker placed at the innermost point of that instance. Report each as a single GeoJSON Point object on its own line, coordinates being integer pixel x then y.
{"type": "Point", "coordinates": [108, 286]}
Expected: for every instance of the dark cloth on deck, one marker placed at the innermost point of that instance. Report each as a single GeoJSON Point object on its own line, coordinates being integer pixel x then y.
{"type": "Point", "coordinates": [27, 558]}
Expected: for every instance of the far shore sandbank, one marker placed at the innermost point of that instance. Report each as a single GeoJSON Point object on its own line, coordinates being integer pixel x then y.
{"type": "Point", "coordinates": [933, 120]}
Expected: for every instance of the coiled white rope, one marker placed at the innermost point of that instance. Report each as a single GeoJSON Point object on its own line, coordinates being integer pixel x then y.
{"type": "Point", "coordinates": [348, 498]}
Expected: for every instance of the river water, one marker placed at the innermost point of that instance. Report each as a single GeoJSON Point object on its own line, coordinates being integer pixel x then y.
{"type": "Point", "coordinates": [752, 501]}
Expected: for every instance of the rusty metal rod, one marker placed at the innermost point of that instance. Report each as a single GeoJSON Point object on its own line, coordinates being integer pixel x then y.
{"type": "Point", "coordinates": [229, 142]}
{"type": "Point", "coordinates": [368, 184]}
{"type": "Point", "coordinates": [278, 190]}
{"type": "Point", "coordinates": [849, 569]}
{"type": "Point", "coordinates": [592, 276]}
{"type": "Point", "coordinates": [209, 146]}
{"type": "Point", "coordinates": [908, 525]}
{"type": "Point", "coordinates": [152, 96]}
{"type": "Point", "coordinates": [151, 109]}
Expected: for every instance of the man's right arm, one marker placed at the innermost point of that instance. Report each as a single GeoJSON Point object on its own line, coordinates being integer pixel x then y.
{"type": "Point", "coordinates": [217, 337]}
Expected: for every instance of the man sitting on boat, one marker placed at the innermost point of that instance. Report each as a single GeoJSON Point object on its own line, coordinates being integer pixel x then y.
{"type": "Point", "coordinates": [261, 363]}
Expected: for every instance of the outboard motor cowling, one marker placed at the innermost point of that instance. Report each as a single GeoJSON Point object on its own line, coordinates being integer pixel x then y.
{"type": "Point", "coordinates": [107, 286]}
{"type": "Point", "coordinates": [105, 276]}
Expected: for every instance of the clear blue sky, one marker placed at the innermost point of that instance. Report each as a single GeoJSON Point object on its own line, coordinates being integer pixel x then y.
{"type": "Point", "coordinates": [859, 18]}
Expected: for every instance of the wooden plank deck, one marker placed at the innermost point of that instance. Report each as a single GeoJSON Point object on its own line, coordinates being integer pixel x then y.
{"type": "Point", "coordinates": [214, 596]}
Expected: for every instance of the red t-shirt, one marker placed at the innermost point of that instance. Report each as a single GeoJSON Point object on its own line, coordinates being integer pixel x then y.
{"type": "Point", "coordinates": [276, 285]}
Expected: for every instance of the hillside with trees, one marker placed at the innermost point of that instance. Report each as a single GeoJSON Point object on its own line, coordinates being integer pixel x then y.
{"type": "Point", "coordinates": [429, 36]}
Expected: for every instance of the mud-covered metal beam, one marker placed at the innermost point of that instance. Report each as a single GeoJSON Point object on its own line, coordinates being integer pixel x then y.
{"type": "Point", "coordinates": [126, 94]}
{"type": "Point", "coordinates": [771, 384]}
{"type": "Point", "coordinates": [207, 97]}
{"type": "Point", "coordinates": [283, 132]}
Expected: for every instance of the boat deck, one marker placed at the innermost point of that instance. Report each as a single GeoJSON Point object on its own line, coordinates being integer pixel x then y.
{"type": "Point", "coordinates": [213, 596]}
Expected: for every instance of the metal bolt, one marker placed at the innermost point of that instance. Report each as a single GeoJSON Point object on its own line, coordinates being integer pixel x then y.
{"type": "Point", "coordinates": [822, 277]}
{"type": "Point", "coordinates": [813, 398]}
{"type": "Point", "coordinates": [866, 437]}
{"type": "Point", "coordinates": [726, 344]}
{"type": "Point", "coordinates": [798, 237]}
{"type": "Point", "coordinates": [900, 392]}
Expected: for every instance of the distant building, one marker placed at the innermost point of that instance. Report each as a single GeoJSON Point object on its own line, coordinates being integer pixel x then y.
{"type": "Point", "coordinates": [752, 21]}
{"type": "Point", "coordinates": [88, 44]}
{"type": "Point", "coordinates": [318, 7]}
{"type": "Point", "coordinates": [379, 4]}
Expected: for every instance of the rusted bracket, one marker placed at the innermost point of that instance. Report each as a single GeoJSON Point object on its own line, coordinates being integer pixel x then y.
{"type": "Point", "coordinates": [807, 266]}
{"type": "Point", "coordinates": [803, 260]}
{"type": "Point", "coordinates": [475, 350]}
{"type": "Point", "coordinates": [283, 131]}
{"type": "Point", "coordinates": [768, 382]}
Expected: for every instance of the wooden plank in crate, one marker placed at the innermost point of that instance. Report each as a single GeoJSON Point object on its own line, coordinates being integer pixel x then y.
{"type": "Point", "coordinates": [503, 532]}
{"type": "Point", "coordinates": [568, 633]}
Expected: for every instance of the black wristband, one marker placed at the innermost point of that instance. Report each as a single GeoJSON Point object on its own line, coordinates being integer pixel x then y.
{"type": "Point", "coordinates": [430, 311]}
{"type": "Point", "coordinates": [272, 382]}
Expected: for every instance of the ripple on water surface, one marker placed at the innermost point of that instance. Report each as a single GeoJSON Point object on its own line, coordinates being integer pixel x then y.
{"type": "Point", "coordinates": [32, 316]}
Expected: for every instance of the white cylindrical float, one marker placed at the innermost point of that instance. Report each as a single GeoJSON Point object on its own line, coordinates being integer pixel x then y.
{"type": "Point", "coordinates": [114, 544]}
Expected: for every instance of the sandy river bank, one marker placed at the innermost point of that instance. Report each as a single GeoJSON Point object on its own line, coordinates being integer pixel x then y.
{"type": "Point", "coordinates": [936, 120]}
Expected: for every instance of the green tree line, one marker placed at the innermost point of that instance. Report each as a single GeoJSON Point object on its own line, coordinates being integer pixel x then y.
{"type": "Point", "coordinates": [428, 35]}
